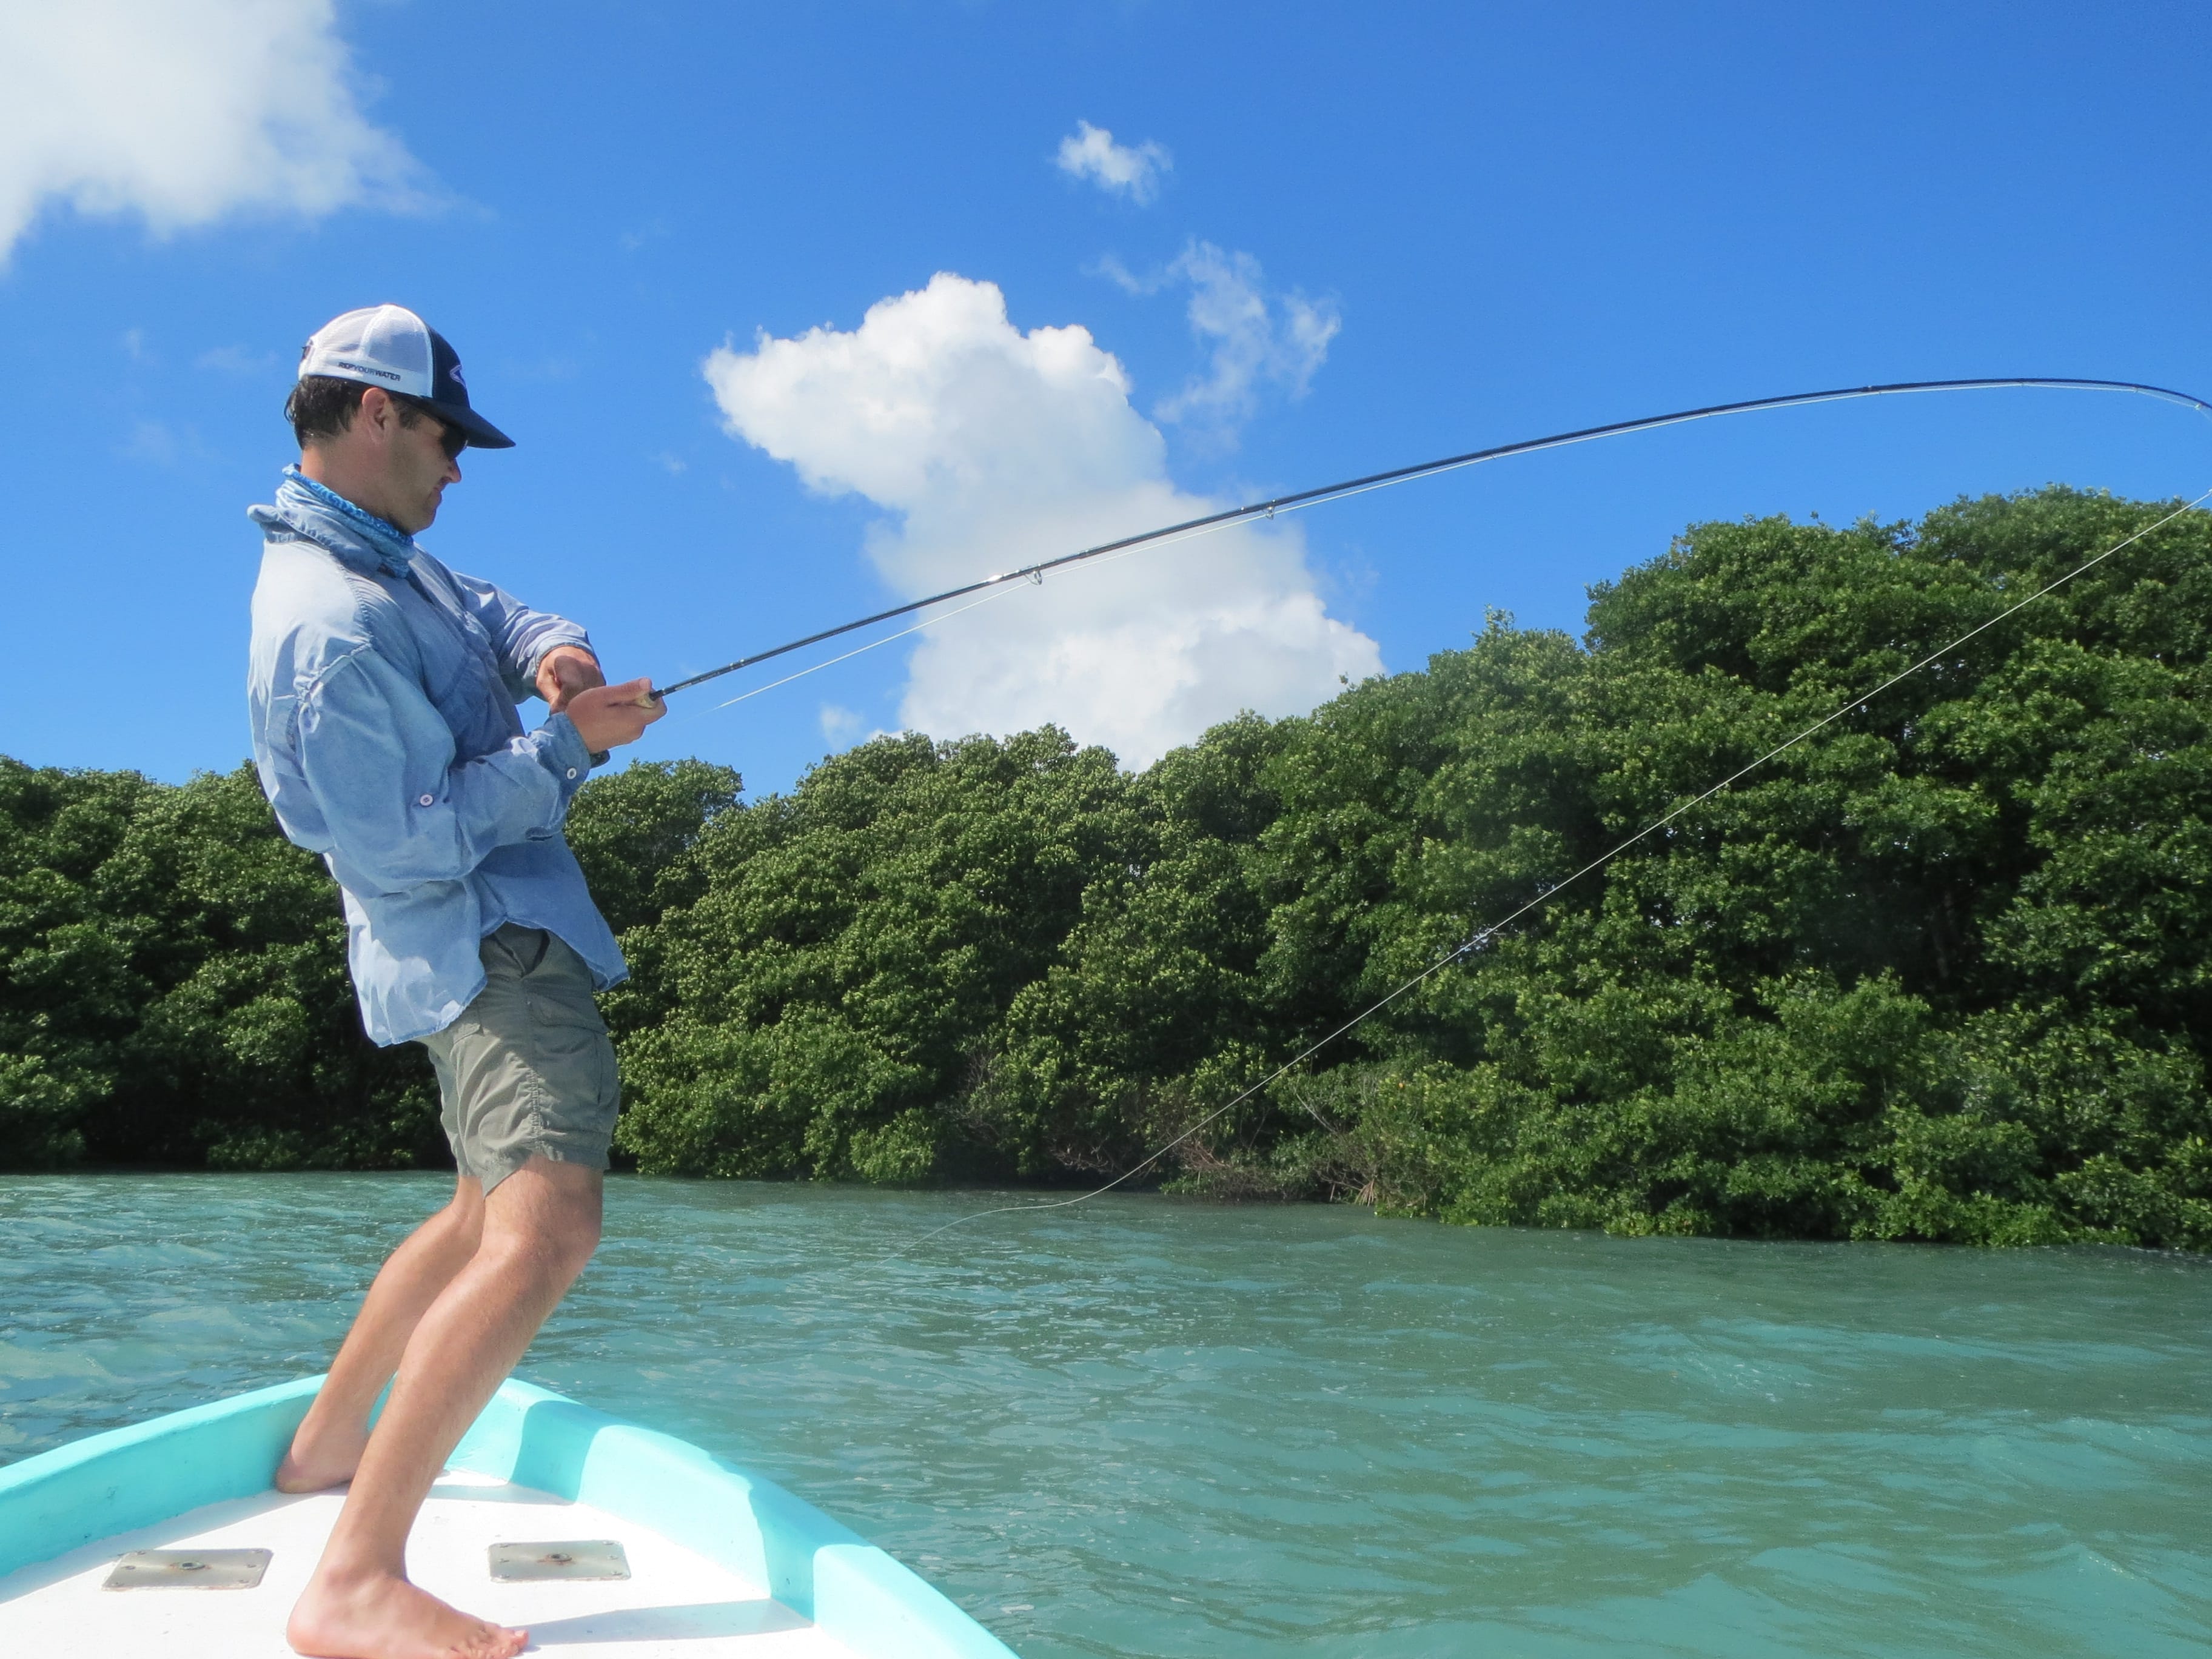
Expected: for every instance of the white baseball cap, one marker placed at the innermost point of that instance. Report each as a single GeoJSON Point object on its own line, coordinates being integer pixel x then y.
{"type": "Point", "coordinates": [390, 346]}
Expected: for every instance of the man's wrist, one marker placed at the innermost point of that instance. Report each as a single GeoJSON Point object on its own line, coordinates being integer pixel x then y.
{"type": "Point", "coordinates": [582, 651]}
{"type": "Point", "coordinates": [563, 752]}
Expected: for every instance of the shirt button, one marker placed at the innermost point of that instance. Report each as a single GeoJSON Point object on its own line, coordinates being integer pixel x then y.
{"type": "Point", "coordinates": [425, 801]}
{"type": "Point", "coordinates": [572, 771]}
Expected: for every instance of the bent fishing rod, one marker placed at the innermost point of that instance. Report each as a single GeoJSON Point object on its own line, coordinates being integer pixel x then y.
{"type": "Point", "coordinates": [1269, 508]}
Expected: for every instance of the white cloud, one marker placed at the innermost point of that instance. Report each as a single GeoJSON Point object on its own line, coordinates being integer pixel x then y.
{"type": "Point", "coordinates": [183, 111]}
{"type": "Point", "coordinates": [991, 449]}
{"type": "Point", "coordinates": [1090, 153]}
{"type": "Point", "coordinates": [1251, 339]}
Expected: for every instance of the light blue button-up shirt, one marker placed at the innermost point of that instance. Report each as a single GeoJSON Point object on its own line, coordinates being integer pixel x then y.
{"type": "Point", "coordinates": [383, 688]}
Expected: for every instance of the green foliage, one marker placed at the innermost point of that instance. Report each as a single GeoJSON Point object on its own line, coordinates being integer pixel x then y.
{"type": "Point", "coordinates": [1940, 972]}
{"type": "Point", "coordinates": [172, 982]}
{"type": "Point", "coordinates": [636, 833]}
{"type": "Point", "coordinates": [855, 950]}
{"type": "Point", "coordinates": [175, 988]}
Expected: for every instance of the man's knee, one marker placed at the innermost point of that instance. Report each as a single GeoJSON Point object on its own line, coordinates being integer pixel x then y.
{"type": "Point", "coordinates": [581, 1245]}
{"type": "Point", "coordinates": [571, 1237]}
{"type": "Point", "coordinates": [547, 1256]}
{"type": "Point", "coordinates": [548, 1213]}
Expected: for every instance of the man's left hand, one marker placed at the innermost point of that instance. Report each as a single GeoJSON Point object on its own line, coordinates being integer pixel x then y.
{"type": "Point", "coordinates": [563, 672]}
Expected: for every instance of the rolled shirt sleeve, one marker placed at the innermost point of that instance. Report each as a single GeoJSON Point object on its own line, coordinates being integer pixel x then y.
{"type": "Point", "coordinates": [399, 808]}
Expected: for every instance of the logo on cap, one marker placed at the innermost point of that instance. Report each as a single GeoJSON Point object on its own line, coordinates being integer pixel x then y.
{"type": "Point", "coordinates": [455, 371]}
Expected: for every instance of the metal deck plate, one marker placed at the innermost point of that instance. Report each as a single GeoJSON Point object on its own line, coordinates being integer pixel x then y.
{"type": "Point", "coordinates": [189, 1569]}
{"type": "Point", "coordinates": [585, 1558]}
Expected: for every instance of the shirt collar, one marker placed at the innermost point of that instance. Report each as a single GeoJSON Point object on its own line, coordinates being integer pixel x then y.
{"type": "Point", "coordinates": [323, 516]}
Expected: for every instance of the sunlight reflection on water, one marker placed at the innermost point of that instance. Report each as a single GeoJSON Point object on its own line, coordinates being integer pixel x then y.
{"type": "Point", "coordinates": [1149, 1427]}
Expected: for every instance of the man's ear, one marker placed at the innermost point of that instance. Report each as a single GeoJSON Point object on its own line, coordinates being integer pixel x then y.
{"type": "Point", "coordinates": [378, 414]}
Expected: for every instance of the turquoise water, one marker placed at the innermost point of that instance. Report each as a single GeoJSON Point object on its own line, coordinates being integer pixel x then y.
{"type": "Point", "coordinates": [1149, 1427]}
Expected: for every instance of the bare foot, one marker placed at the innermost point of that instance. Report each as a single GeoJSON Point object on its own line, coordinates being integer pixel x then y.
{"type": "Point", "coordinates": [320, 1461]}
{"type": "Point", "coordinates": [390, 1619]}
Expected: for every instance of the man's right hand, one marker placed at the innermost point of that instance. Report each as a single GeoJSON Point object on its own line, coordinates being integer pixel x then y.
{"type": "Point", "coordinates": [607, 715]}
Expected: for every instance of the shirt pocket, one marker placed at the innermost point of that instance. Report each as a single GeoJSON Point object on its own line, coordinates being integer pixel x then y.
{"type": "Point", "coordinates": [463, 684]}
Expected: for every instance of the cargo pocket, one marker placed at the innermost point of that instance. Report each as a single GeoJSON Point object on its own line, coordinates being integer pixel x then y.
{"type": "Point", "coordinates": [575, 1059]}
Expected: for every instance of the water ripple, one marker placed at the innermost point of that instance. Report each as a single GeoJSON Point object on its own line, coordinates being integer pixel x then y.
{"type": "Point", "coordinates": [1158, 1429]}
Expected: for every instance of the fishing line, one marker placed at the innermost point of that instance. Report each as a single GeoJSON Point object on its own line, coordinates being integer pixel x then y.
{"type": "Point", "coordinates": [859, 650]}
{"type": "Point", "coordinates": [1485, 934]}
{"type": "Point", "coordinates": [1349, 487]}
{"type": "Point", "coordinates": [1168, 540]}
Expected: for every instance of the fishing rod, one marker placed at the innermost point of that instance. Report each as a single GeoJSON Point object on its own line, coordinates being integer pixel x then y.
{"type": "Point", "coordinates": [1267, 509]}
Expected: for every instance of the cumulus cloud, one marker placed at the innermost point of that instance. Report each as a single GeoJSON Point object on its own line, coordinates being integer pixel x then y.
{"type": "Point", "coordinates": [1090, 153]}
{"type": "Point", "coordinates": [183, 111]}
{"type": "Point", "coordinates": [989, 449]}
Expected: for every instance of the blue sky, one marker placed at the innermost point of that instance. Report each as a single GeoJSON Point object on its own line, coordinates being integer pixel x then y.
{"type": "Point", "coordinates": [1419, 228]}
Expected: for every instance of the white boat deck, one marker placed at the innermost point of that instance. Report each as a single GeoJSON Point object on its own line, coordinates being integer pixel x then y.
{"type": "Point", "coordinates": [676, 1604]}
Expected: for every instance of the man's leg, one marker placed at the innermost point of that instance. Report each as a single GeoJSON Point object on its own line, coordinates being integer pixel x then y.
{"type": "Point", "coordinates": [539, 1228]}
{"type": "Point", "coordinates": [328, 1446]}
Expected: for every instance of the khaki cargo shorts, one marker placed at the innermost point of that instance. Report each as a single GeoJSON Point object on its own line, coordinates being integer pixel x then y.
{"type": "Point", "coordinates": [526, 1069]}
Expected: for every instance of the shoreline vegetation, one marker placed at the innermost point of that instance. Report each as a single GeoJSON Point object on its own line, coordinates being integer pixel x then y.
{"type": "Point", "coordinates": [1944, 973]}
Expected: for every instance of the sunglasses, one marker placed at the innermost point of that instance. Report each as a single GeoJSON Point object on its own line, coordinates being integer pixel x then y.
{"type": "Point", "coordinates": [451, 437]}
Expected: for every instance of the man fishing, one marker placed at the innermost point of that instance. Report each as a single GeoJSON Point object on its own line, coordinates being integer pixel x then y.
{"type": "Point", "coordinates": [383, 690]}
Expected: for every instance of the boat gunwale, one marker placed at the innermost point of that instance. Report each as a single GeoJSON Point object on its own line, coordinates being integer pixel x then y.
{"type": "Point", "coordinates": [853, 1591]}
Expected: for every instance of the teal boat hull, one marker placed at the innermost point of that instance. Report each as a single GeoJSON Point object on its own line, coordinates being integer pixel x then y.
{"type": "Point", "coordinates": [854, 1592]}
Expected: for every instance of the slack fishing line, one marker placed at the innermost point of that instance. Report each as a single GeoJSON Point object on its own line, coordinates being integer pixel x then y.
{"type": "Point", "coordinates": [1003, 583]}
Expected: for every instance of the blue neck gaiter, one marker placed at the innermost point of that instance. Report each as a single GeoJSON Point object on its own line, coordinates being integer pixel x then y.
{"type": "Point", "coordinates": [326, 518]}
